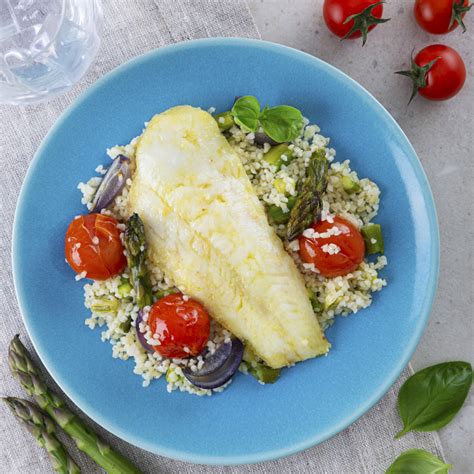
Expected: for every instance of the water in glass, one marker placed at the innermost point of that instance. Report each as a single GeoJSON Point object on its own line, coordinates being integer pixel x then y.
{"type": "Point", "coordinates": [45, 46]}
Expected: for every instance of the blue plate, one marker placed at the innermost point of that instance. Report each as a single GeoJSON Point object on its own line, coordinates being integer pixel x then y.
{"type": "Point", "coordinates": [248, 422]}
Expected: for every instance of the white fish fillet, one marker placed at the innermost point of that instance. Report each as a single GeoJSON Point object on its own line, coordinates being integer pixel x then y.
{"type": "Point", "coordinates": [208, 231]}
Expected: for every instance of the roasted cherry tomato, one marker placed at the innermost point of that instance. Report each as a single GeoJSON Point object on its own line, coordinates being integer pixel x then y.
{"type": "Point", "coordinates": [352, 18]}
{"type": "Point", "coordinates": [93, 246]}
{"type": "Point", "coordinates": [441, 16]}
{"type": "Point", "coordinates": [180, 324]}
{"type": "Point", "coordinates": [333, 260]}
{"type": "Point", "coordinates": [438, 72]}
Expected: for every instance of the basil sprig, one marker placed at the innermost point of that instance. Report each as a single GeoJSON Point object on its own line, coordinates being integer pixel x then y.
{"type": "Point", "coordinates": [281, 123]}
{"type": "Point", "coordinates": [246, 111]}
{"type": "Point", "coordinates": [430, 399]}
{"type": "Point", "coordinates": [418, 461]}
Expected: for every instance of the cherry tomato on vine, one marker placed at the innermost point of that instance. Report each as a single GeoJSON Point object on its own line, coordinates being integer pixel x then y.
{"type": "Point", "coordinates": [93, 246]}
{"type": "Point", "coordinates": [336, 254]}
{"type": "Point", "coordinates": [353, 18]}
{"type": "Point", "coordinates": [181, 324]}
{"type": "Point", "coordinates": [441, 16]}
{"type": "Point", "coordinates": [437, 71]}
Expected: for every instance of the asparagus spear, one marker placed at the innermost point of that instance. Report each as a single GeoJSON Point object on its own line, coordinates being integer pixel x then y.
{"type": "Point", "coordinates": [308, 201]}
{"type": "Point", "coordinates": [40, 425]}
{"type": "Point", "coordinates": [86, 440]}
{"type": "Point", "coordinates": [135, 244]}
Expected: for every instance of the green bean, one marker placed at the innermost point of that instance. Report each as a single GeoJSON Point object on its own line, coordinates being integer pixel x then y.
{"type": "Point", "coordinates": [275, 155]}
{"type": "Point", "coordinates": [225, 121]}
{"type": "Point", "coordinates": [263, 373]}
{"type": "Point", "coordinates": [258, 369]}
{"type": "Point", "coordinates": [124, 290]}
{"type": "Point", "coordinates": [105, 305]}
{"type": "Point", "coordinates": [373, 237]}
{"type": "Point", "coordinates": [162, 293]}
{"type": "Point", "coordinates": [315, 303]}
{"type": "Point", "coordinates": [349, 185]}
{"type": "Point", "coordinates": [278, 215]}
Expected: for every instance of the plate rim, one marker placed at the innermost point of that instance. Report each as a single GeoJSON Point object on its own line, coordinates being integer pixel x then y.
{"type": "Point", "coordinates": [391, 377]}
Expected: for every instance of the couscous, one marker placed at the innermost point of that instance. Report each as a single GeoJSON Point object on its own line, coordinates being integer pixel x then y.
{"type": "Point", "coordinates": [327, 236]}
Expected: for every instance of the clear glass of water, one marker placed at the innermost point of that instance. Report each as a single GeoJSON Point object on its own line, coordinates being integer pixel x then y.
{"type": "Point", "coordinates": [46, 46]}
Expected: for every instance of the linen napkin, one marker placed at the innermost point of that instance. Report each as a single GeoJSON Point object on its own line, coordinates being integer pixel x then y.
{"type": "Point", "coordinates": [132, 28]}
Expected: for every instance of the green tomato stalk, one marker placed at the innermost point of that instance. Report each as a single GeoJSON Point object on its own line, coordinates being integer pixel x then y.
{"type": "Point", "coordinates": [362, 22]}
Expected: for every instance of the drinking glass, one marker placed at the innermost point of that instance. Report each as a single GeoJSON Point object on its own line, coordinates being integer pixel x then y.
{"type": "Point", "coordinates": [46, 46]}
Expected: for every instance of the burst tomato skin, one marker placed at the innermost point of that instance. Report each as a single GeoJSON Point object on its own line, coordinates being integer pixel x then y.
{"type": "Point", "coordinates": [93, 246]}
{"type": "Point", "coordinates": [434, 16]}
{"type": "Point", "coordinates": [335, 13]}
{"type": "Point", "coordinates": [179, 323]}
{"type": "Point", "coordinates": [448, 74]}
{"type": "Point", "coordinates": [350, 242]}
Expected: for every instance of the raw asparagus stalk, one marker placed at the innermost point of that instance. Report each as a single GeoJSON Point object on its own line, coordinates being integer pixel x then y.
{"type": "Point", "coordinates": [135, 244]}
{"type": "Point", "coordinates": [86, 440]}
{"type": "Point", "coordinates": [40, 425]}
{"type": "Point", "coordinates": [308, 202]}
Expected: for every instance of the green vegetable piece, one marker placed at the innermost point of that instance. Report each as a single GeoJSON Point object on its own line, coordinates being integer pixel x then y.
{"type": "Point", "coordinates": [291, 202]}
{"type": "Point", "coordinates": [264, 374]}
{"type": "Point", "coordinates": [350, 186]}
{"type": "Point", "coordinates": [278, 215]}
{"type": "Point", "coordinates": [418, 461]}
{"type": "Point", "coordinates": [315, 303]}
{"type": "Point", "coordinates": [224, 121]}
{"type": "Point", "coordinates": [280, 185]}
{"type": "Point", "coordinates": [136, 246]}
{"type": "Point", "coordinates": [105, 305]}
{"type": "Point", "coordinates": [124, 290]}
{"type": "Point", "coordinates": [40, 425]}
{"type": "Point", "coordinates": [258, 369]}
{"type": "Point", "coordinates": [282, 123]}
{"type": "Point", "coordinates": [24, 369]}
{"type": "Point", "coordinates": [162, 293]}
{"type": "Point", "coordinates": [431, 398]}
{"type": "Point", "coordinates": [331, 301]}
{"type": "Point", "coordinates": [308, 203]}
{"type": "Point", "coordinates": [275, 154]}
{"type": "Point", "coordinates": [246, 111]}
{"type": "Point", "coordinates": [173, 376]}
{"type": "Point", "coordinates": [126, 325]}
{"type": "Point", "coordinates": [373, 237]}
{"type": "Point", "coordinates": [169, 373]}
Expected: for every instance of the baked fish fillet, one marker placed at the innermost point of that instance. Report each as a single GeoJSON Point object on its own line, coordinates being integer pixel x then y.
{"type": "Point", "coordinates": [209, 233]}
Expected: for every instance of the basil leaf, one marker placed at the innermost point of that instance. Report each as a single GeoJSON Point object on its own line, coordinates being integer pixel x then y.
{"type": "Point", "coordinates": [430, 399]}
{"type": "Point", "coordinates": [282, 123]}
{"type": "Point", "coordinates": [418, 461]}
{"type": "Point", "coordinates": [246, 111]}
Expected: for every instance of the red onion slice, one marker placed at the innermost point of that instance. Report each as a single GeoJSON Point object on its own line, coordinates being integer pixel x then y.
{"type": "Point", "coordinates": [112, 183]}
{"type": "Point", "coordinates": [218, 368]}
{"type": "Point", "coordinates": [140, 335]}
{"type": "Point", "coordinates": [262, 138]}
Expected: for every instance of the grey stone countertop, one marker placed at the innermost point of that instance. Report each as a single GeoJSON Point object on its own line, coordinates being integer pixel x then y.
{"type": "Point", "coordinates": [441, 133]}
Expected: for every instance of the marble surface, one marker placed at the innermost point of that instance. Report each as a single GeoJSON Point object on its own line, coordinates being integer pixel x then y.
{"type": "Point", "coordinates": [442, 134]}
